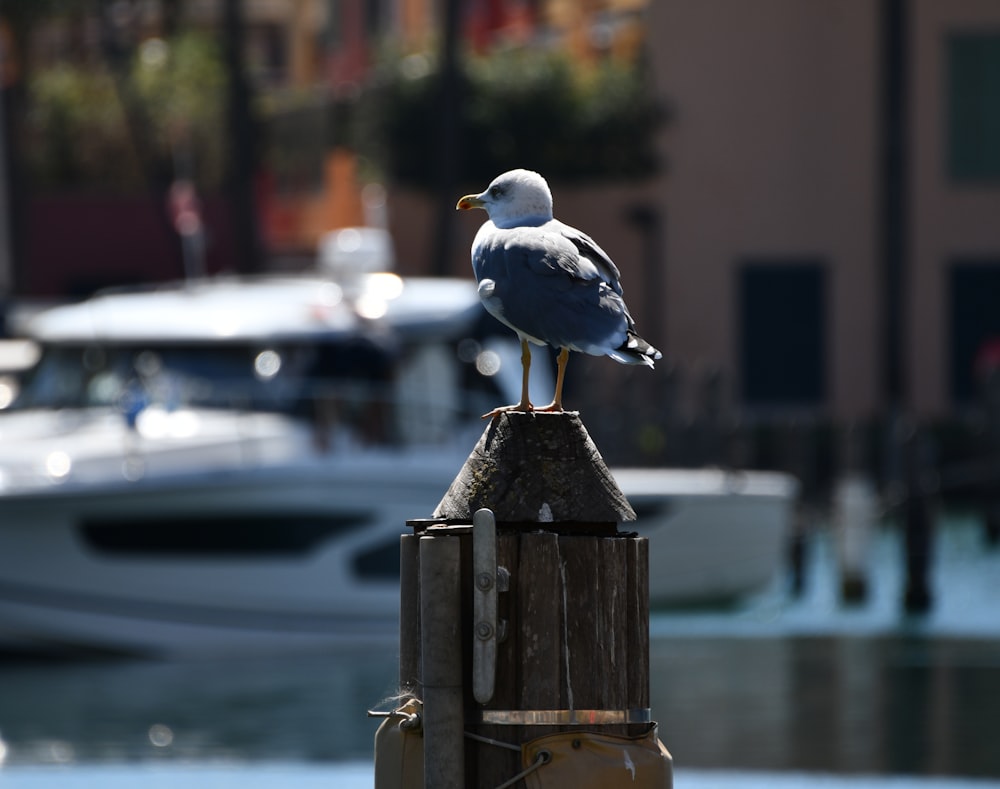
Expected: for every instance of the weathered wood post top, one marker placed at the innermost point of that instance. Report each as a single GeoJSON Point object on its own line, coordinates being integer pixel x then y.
{"type": "Point", "coordinates": [536, 468]}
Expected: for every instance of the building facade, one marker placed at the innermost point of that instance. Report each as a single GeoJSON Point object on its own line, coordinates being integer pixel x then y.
{"type": "Point", "coordinates": [784, 260]}
{"type": "Point", "coordinates": [825, 234]}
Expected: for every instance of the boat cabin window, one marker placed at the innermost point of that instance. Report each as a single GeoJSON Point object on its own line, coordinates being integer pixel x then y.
{"type": "Point", "coordinates": [280, 377]}
{"type": "Point", "coordinates": [407, 390]}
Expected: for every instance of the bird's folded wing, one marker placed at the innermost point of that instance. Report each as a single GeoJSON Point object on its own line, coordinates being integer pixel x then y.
{"type": "Point", "coordinates": [588, 248]}
{"type": "Point", "coordinates": [557, 250]}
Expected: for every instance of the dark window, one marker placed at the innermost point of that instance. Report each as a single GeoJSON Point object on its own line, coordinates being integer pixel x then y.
{"type": "Point", "coordinates": [782, 340]}
{"type": "Point", "coordinates": [974, 106]}
{"type": "Point", "coordinates": [975, 322]}
{"type": "Point", "coordinates": [379, 563]}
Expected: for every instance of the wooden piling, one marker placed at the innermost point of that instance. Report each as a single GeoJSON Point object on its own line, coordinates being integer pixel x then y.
{"type": "Point", "coordinates": [918, 527]}
{"type": "Point", "coordinates": [576, 649]}
{"type": "Point", "coordinates": [409, 613]}
{"type": "Point", "coordinates": [574, 616]}
{"type": "Point", "coordinates": [441, 662]}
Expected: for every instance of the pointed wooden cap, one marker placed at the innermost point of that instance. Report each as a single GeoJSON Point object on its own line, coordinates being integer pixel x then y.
{"type": "Point", "coordinates": [536, 467]}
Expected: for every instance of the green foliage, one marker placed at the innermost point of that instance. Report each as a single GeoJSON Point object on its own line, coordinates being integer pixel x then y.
{"type": "Point", "coordinates": [182, 90]}
{"type": "Point", "coordinates": [297, 130]}
{"type": "Point", "coordinates": [76, 130]}
{"type": "Point", "coordinates": [517, 109]}
{"type": "Point", "coordinates": [80, 135]}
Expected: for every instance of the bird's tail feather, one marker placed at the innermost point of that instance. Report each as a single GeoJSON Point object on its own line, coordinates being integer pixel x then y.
{"type": "Point", "coordinates": [635, 350]}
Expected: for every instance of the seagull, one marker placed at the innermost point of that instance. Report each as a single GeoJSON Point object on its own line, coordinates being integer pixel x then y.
{"type": "Point", "coordinates": [549, 282]}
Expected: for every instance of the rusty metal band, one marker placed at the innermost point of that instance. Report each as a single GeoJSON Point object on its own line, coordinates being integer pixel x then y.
{"type": "Point", "coordinates": [564, 717]}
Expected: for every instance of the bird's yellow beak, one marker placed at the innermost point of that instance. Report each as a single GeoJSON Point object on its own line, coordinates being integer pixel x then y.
{"type": "Point", "coordinates": [469, 201]}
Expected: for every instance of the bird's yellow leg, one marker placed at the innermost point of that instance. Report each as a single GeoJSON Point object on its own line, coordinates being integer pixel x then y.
{"type": "Point", "coordinates": [525, 404]}
{"type": "Point", "coordinates": [556, 404]}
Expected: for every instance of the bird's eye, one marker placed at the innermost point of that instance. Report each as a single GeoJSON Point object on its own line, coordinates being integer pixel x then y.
{"type": "Point", "coordinates": [495, 191]}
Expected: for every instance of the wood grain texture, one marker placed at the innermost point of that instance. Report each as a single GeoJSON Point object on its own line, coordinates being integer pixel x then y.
{"type": "Point", "coordinates": [578, 638]}
{"type": "Point", "coordinates": [536, 468]}
{"type": "Point", "coordinates": [577, 610]}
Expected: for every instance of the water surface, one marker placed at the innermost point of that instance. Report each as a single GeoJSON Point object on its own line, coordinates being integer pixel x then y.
{"type": "Point", "coordinates": [776, 685]}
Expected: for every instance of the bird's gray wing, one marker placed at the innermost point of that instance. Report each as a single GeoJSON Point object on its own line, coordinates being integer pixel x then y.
{"type": "Point", "coordinates": [550, 256]}
{"type": "Point", "coordinates": [546, 288]}
{"type": "Point", "coordinates": [587, 249]}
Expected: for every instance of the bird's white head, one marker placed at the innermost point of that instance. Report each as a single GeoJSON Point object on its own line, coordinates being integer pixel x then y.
{"type": "Point", "coordinates": [514, 199]}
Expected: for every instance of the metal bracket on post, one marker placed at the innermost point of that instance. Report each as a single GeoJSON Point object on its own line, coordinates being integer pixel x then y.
{"type": "Point", "coordinates": [488, 581]}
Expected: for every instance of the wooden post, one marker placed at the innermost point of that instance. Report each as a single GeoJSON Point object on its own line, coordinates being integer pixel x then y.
{"type": "Point", "coordinates": [441, 663]}
{"type": "Point", "coordinates": [918, 536]}
{"type": "Point", "coordinates": [409, 613]}
{"type": "Point", "coordinates": [574, 616]}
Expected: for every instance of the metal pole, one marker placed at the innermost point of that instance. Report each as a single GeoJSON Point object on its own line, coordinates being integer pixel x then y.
{"type": "Point", "coordinates": [242, 144]}
{"type": "Point", "coordinates": [448, 124]}
{"type": "Point", "coordinates": [895, 205]}
{"type": "Point", "coordinates": [441, 653]}
{"type": "Point", "coordinates": [918, 540]}
{"type": "Point", "coordinates": [6, 254]}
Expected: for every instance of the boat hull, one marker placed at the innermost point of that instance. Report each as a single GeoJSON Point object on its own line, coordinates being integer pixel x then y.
{"type": "Point", "coordinates": [319, 568]}
{"type": "Point", "coordinates": [714, 536]}
{"type": "Point", "coordinates": [108, 585]}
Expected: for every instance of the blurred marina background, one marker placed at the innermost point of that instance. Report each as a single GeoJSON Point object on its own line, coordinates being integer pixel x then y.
{"type": "Point", "coordinates": [235, 311]}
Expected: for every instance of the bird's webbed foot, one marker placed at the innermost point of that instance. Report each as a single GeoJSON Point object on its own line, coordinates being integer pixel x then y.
{"type": "Point", "coordinates": [523, 407]}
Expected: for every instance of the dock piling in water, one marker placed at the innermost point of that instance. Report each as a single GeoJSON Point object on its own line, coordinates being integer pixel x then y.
{"type": "Point", "coordinates": [563, 625]}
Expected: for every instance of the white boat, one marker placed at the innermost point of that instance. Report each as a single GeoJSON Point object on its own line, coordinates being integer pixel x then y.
{"type": "Point", "coordinates": [226, 466]}
{"type": "Point", "coordinates": [714, 535]}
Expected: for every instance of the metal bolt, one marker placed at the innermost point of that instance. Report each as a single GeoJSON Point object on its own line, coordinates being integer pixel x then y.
{"type": "Point", "coordinates": [484, 630]}
{"type": "Point", "coordinates": [484, 582]}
